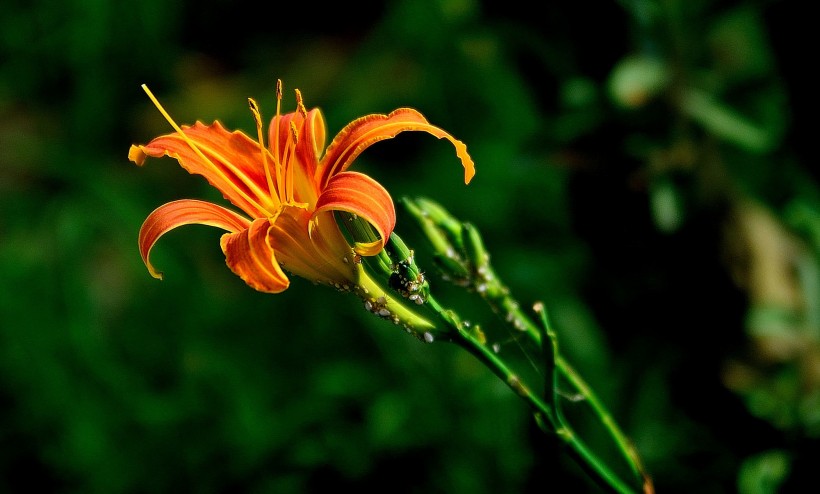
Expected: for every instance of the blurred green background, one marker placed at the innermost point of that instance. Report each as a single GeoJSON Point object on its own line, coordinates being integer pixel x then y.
{"type": "Point", "coordinates": [646, 168]}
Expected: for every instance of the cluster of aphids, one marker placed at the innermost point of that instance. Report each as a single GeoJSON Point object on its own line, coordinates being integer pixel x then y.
{"type": "Point", "coordinates": [379, 307]}
{"type": "Point", "coordinates": [408, 281]}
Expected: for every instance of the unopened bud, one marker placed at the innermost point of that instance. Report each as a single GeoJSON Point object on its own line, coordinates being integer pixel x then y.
{"type": "Point", "coordinates": [442, 219]}
{"type": "Point", "coordinates": [474, 247]}
{"type": "Point", "coordinates": [452, 267]}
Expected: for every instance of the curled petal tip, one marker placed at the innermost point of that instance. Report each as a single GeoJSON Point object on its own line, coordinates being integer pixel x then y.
{"type": "Point", "coordinates": [251, 257]}
{"type": "Point", "coordinates": [154, 273]}
{"type": "Point", "coordinates": [137, 155]}
{"type": "Point", "coordinates": [466, 160]}
{"type": "Point", "coordinates": [368, 248]}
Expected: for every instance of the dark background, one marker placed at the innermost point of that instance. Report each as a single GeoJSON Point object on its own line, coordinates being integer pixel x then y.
{"type": "Point", "coordinates": [644, 168]}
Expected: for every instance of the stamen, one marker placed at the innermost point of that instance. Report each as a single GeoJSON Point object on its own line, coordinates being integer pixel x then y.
{"type": "Point", "coordinates": [278, 94]}
{"type": "Point", "coordinates": [198, 151]}
{"type": "Point", "coordinates": [287, 197]}
{"type": "Point", "coordinates": [286, 154]}
{"type": "Point", "coordinates": [289, 166]}
{"type": "Point", "coordinates": [300, 105]}
{"type": "Point", "coordinates": [294, 133]}
{"type": "Point", "coordinates": [258, 118]}
{"type": "Point", "coordinates": [279, 178]}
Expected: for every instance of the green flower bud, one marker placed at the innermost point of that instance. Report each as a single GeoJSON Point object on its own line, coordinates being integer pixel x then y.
{"type": "Point", "coordinates": [446, 232]}
{"type": "Point", "coordinates": [452, 268]}
{"type": "Point", "coordinates": [474, 248]}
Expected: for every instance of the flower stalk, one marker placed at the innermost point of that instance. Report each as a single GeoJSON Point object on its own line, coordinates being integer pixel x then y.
{"type": "Point", "coordinates": [462, 259]}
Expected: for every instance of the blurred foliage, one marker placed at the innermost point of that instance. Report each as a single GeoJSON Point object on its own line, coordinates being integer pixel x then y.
{"type": "Point", "coordinates": [643, 169]}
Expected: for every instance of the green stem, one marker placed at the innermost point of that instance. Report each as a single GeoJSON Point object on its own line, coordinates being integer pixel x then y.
{"type": "Point", "coordinates": [464, 261]}
{"type": "Point", "coordinates": [598, 407]}
{"type": "Point", "coordinates": [501, 302]}
{"type": "Point", "coordinates": [624, 444]}
{"type": "Point", "coordinates": [385, 304]}
{"type": "Point", "coordinates": [585, 457]}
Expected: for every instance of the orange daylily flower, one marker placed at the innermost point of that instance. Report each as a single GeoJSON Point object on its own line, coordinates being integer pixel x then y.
{"type": "Point", "coordinates": [287, 190]}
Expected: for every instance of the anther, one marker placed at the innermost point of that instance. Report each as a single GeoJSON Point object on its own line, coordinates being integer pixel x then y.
{"type": "Point", "coordinates": [300, 105]}
{"type": "Point", "coordinates": [294, 133]}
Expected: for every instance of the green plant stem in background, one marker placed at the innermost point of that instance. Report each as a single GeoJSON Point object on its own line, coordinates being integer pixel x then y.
{"type": "Point", "coordinates": [462, 259]}
{"type": "Point", "coordinates": [548, 416]}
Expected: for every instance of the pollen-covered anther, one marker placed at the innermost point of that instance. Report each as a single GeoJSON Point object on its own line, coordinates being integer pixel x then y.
{"type": "Point", "coordinates": [300, 103]}
{"type": "Point", "coordinates": [294, 132]}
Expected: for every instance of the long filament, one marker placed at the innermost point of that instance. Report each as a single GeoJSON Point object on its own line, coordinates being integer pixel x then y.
{"type": "Point", "coordinates": [280, 179]}
{"type": "Point", "coordinates": [196, 149]}
{"type": "Point", "coordinates": [289, 166]}
{"type": "Point", "coordinates": [258, 118]}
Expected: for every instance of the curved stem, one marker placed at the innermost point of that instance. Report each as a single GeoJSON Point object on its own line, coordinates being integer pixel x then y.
{"type": "Point", "coordinates": [498, 297]}
{"type": "Point", "coordinates": [464, 261]}
{"type": "Point", "coordinates": [623, 443]}
{"type": "Point", "coordinates": [585, 457]}
{"type": "Point", "coordinates": [521, 321]}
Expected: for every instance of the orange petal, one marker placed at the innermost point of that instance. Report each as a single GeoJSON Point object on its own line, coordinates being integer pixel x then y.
{"type": "Point", "coordinates": [184, 212]}
{"type": "Point", "coordinates": [251, 257]}
{"type": "Point", "coordinates": [359, 194]}
{"type": "Point", "coordinates": [365, 131]}
{"type": "Point", "coordinates": [230, 161]}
